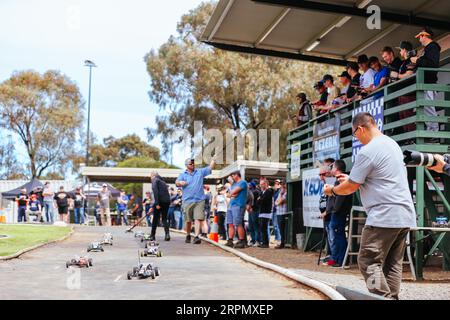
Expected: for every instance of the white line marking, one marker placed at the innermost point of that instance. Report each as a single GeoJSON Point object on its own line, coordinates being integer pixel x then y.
{"type": "Point", "coordinates": [118, 278]}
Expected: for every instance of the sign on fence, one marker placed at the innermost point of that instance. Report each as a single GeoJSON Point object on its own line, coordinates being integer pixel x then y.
{"type": "Point", "coordinates": [312, 190]}
{"type": "Point", "coordinates": [295, 160]}
{"type": "Point", "coordinates": [326, 141]}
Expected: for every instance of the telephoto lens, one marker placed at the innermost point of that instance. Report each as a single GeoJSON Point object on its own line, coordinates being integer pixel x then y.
{"type": "Point", "coordinates": [418, 159]}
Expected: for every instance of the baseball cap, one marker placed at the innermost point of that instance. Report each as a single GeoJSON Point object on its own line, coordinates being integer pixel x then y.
{"type": "Point", "coordinates": [327, 77]}
{"type": "Point", "coordinates": [405, 45]}
{"type": "Point", "coordinates": [104, 185]}
{"type": "Point", "coordinates": [425, 32]}
{"type": "Point", "coordinates": [189, 161]}
{"type": "Point", "coordinates": [345, 74]}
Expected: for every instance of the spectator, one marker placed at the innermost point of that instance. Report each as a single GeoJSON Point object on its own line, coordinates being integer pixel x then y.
{"type": "Point", "coordinates": [338, 208]}
{"type": "Point", "coordinates": [394, 63]}
{"type": "Point", "coordinates": [38, 191]}
{"type": "Point", "coordinates": [178, 210]}
{"type": "Point", "coordinates": [367, 77]}
{"type": "Point", "coordinates": [333, 93]}
{"type": "Point", "coordinates": [407, 68]}
{"type": "Point", "coordinates": [171, 214]}
{"type": "Point", "coordinates": [122, 203]}
{"type": "Point", "coordinates": [304, 114]}
{"type": "Point", "coordinates": [193, 197]}
{"type": "Point", "coordinates": [276, 229]}
{"type": "Point", "coordinates": [379, 173]}
{"type": "Point", "coordinates": [253, 215]}
{"type": "Point", "coordinates": [281, 205]}
{"type": "Point", "coordinates": [160, 206]}
{"type": "Point", "coordinates": [381, 76]}
{"type": "Point", "coordinates": [325, 172]}
{"type": "Point", "coordinates": [323, 96]}
{"type": "Point", "coordinates": [353, 71]}
{"type": "Point", "coordinates": [104, 197]}
{"type": "Point", "coordinates": [78, 206]}
{"type": "Point", "coordinates": [265, 202]}
{"type": "Point", "coordinates": [48, 195]}
{"type": "Point", "coordinates": [235, 215]}
{"type": "Point", "coordinates": [22, 204]}
{"type": "Point", "coordinates": [346, 91]}
{"type": "Point", "coordinates": [430, 59]}
{"type": "Point", "coordinates": [34, 208]}
{"type": "Point", "coordinates": [62, 203]}
{"type": "Point", "coordinates": [147, 205]}
{"type": "Point", "coordinates": [208, 199]}
{"type": "Point", "coordinates": [220, 206]}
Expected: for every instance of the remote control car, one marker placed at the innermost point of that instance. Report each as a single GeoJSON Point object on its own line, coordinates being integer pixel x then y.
{"type": "Point", "coordinates": [139, 234]}
{"type": "Point", "coordinates": [144, 271]}
{"type": "Point", "coordinates": [146, 237]}
{"type": "Point", "coordinates": [81, 262]}
{"type": "Point", "coordinates": [95, 247]}
{"type": "Point", "coordinates": [151, 250]}
{"type": "Point", "coordinates": [107, 239]}
{"type": "Point", "coordinates": [441, 222]}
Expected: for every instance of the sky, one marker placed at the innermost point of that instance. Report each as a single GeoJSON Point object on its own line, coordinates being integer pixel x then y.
{"type": "Point", "coordinates": [115, 34]}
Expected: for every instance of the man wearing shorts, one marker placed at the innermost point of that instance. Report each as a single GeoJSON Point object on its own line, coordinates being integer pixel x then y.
{"type": "Point", "coordinates": [62, 202]}
{"type": "Point", "coordinates": [193, 197]}
{"type": "Point", "coordinates": [235, 215]}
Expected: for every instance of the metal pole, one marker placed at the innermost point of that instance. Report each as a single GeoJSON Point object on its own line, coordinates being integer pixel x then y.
{"type": "Point", "coordinates": [89, 118]}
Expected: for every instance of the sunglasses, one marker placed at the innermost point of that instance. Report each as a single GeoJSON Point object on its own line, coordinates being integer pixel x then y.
{"type": "Point", "coordinates": [354, 132]}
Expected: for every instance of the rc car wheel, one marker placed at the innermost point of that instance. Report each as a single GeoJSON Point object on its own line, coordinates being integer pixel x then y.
{"type": "Point", "coordinates": [129, 275]}
{"type": "Point", "coordinates": [102, 249]}
{"type": "Point", "coordinates": [157, 271]}
{"type": "Point", "coordinates": [90, 263]}
{"type": "Point", "coordinates": [159, 254]}
{"type": "Point", "coordinates": [67, 265]}
{"type": "Point", "coordinates": [153, 275]}
{"type": "Point", "coordinates": [142, 254]}
{"type": "Point", "coordinates": [135, 270]}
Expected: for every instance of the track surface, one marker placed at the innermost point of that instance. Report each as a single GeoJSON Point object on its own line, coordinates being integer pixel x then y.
{"type": "Point", "coordinates": [188, 272]}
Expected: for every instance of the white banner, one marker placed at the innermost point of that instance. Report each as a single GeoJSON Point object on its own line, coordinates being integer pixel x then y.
{"type": "Point", "coordinates": [295, 160]}
{"type": "Point", "coordinates": [312, 190]}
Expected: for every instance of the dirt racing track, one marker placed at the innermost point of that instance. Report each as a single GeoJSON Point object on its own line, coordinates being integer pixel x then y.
{"type": "Point", "coordinates": [188, 272]}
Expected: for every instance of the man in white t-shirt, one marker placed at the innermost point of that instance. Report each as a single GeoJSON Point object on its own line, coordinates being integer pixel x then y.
{"type": "Point", "coordinates": [368, 75]}
{"type": "Point", "coordinates": [380, 175]}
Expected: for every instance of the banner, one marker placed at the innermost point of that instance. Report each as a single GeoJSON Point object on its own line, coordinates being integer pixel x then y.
{"type": "Point", "coordinates": [312, 190]}
{"type": "Point", "coordinates": [295, 160]}
{"type": "Point", "coordinates": [326, 141]}
{"type": "Point", "coordinates": [376, 108]}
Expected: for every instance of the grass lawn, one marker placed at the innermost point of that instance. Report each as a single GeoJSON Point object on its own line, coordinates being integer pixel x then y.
{"type": "Point", "coordinates": [22, 237]}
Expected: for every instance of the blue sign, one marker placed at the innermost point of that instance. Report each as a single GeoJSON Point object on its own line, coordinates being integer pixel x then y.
{"type": "Point", "coordinates": [326, 141]}
{"type": "Point", "coordinates": [376, 108]}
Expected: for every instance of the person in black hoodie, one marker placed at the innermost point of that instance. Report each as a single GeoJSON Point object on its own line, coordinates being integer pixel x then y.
{"type": "Point", "coordinates": [430, 59]}
{"type": "Point", "coordinates": [161, 204]}
{"type": "Point", "coordinates": [265, 202]}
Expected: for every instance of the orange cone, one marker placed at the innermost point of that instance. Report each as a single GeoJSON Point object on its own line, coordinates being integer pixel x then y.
{"type": "Point", "coordinates": [214, 234]}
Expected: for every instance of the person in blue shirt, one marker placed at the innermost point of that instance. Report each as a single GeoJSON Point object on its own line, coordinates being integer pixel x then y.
{"type": "Point", "coordinates": [122, 203]}
{"type": "Point", "coordinates": [191, 181]}
{"type": "Point", "coordinates": [236, 213]}
{"type": "Point", "coordinates": [381, 76]}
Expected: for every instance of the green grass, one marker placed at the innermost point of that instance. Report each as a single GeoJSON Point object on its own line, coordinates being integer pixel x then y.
{"type": "Point", "coordinates": [23, 237]}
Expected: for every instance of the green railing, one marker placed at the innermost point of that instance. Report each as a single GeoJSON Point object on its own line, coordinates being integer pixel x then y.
{"type": "Point", "coordinates": [429, 201]}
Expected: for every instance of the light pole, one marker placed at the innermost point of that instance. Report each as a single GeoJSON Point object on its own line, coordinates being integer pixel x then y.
{"type": "Point", "coordinates": [90, 65]}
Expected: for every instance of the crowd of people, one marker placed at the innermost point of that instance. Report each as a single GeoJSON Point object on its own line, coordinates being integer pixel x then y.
{"type": "Point", "coordinates": [368, 75]}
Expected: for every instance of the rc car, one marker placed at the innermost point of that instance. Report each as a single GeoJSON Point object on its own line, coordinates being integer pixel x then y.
{"type": "Point", "coordinates": [80, 262]}
{"type": "Point", "coordinates": [95, 247]}
{"type": "Point", "coordinates": [107, 239]}
{"type": "Point", "coordinates": [151, 250]}
{"type": "Point", "coordinates": [139, 234]}
{"type": "Point", "coordinates": [441, 222]}
{"type": "Point", "coordinates": [144, 271]}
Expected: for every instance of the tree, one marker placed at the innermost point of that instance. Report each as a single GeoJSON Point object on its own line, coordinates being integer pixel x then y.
{"type": "Point", "coordinates": [10, 167]}
{"type": "Point", "coordinates": [114, 151]}
{"type": "Point", "coordinates": [45, 112]}
{"type": "Point", "coordinates": [195, 82]}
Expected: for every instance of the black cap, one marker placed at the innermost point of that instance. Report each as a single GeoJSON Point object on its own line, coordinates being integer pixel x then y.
{"type": "Point", "coordinates": [345, 74]}
{"type": "Point", "coordinates": [318, 85]}
{"type": "Point", "coordinates": [328, 77]}
{"type": "Point", "coordinates": [405, 45]}
{"type": "Point", "coordinates": [363, 59]}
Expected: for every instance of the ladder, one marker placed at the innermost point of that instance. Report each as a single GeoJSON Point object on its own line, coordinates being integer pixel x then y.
{"type": "Point", "coordinates": [356, 223]}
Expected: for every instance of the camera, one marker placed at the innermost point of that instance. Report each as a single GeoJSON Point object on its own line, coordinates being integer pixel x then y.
{"type": "Point", "coordinates": [412, 54]}
{"type": "Point", "coordinates": [419, 159]}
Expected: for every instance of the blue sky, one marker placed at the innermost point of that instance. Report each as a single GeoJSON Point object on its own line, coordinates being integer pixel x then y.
{"type": "Point", "coordinates": [116, 34]}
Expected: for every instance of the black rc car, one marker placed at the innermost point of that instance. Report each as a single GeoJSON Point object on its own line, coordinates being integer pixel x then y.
{"type": "Point", "coordinates": [95, 247]}
{"type": "Point", "coordinates": [82, 262]}
{"type": "Point", "coordinates": [144, 271]}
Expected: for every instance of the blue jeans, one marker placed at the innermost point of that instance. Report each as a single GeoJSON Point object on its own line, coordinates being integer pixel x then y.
{"type": "Point", "coordinates": [253, 227]}
{"type": "Point", "coordinates": [48, 205]}
{"type": "Point", "coordinates": [120, 213]}
{"type": "Point", "coordinates": [21, 214]}
{"type": "Point", "coordinates": [326, 225]}
{"type": "Point", "coordinates": [276, 229]}
{"type": "Point", "coordinates": [79, 215]}
{"type": "Point", "coordinates": [338, 240]}
{"type": "Point", "coordinates": [178, 219]}
{"type": "Point", "coordinates": [171, 217]}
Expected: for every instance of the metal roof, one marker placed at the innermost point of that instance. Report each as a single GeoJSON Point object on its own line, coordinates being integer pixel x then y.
{"type": "Point", "coordinates": [324, 31]}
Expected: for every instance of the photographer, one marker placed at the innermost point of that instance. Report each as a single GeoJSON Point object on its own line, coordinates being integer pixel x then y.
{"type": "Point", "coordinates": [380, 175]}
{"type": "Point", "coordinates": [442, 166]}
{"type": "Point", "coordinates": [430, 59]}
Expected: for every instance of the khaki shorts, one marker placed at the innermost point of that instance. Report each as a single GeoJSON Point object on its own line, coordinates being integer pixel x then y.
{"type": "Point", "coordinates": [194, 211]}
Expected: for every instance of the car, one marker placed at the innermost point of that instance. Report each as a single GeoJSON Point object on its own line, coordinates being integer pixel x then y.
{"type": "Point", "coordinates": [144, 271]}
{"type": "Point", "coordinates": [151, 250]}
{"type": "Point", "coordinates": [95, 247]}
{"type": "Point", "coordinates": [146, 237]}
{"type": "Point", "coordinates": [107, 239]}
{"type": "Point", "coordinates": [139, 234]}
{"type": "Point", "coordinates": [81, 262]}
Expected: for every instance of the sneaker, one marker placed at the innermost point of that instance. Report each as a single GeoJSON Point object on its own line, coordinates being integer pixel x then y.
{"type": "Point", "coordinates": [197, 240]}
{"type": "Point", "coordinates": [325, 260]}
{"type": "Point", "coordinates": [167, 238]}
{"type": "Point", "coordinates": [330, 262]}
{"type": "Point", "coordinates": [264, 246]}
{"type": "Point", "coordinates": [251, 243]}
{"type": "Point", "coordinates": [280, 246]}
{"type": "Point", "coordinates": [336, 265]}
{"type": "Point", "coordinates": [240, 245]}
{"type": "Point", "coordinates": [230, 243]}
{"type": "Point", "coordinates": [188, 239]}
